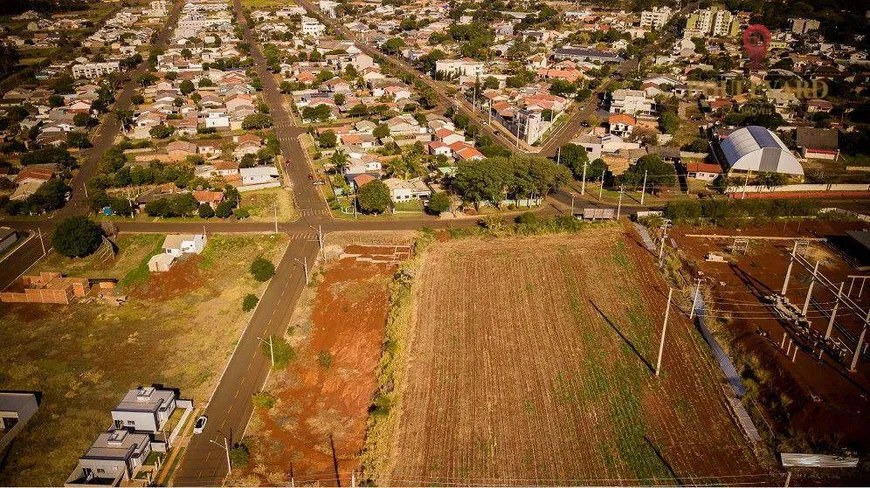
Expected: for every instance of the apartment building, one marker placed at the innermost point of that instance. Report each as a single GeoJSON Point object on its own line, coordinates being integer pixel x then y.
{"type": "Point", "coordinates": [656, 18]}
{"type": "Point", "coordinates": [95, 70]}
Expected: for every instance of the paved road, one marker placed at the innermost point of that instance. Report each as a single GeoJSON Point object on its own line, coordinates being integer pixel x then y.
{"type": "Point", "coordinates": [440, 88]}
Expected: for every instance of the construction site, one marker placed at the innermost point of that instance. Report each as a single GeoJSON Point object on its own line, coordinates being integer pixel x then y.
{"type": "Point", "coordinates": [53, 287]}
{"type": "Point", "coordinates": [791, 308]}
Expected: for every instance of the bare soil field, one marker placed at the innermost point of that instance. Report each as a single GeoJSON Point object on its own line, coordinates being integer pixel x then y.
{"type": "Point", "coordinates": [530, 361]}
{"type": "Point", "coordinates": [811, 403]}
{"type": "Point", "coordinates": [178, 328]}
{"type": "Point", "coordinates": [317, 425]}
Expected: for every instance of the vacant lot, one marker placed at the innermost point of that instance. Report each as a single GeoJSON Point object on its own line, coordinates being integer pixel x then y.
{"type": "Point", "coordinates": [262, 204]}
{"type": "Point", "coordinates": [530, 363]}
{"type": "Point", "coordinates": [178, 328]}
{"type": "Point", "coordinates": [318, 422]}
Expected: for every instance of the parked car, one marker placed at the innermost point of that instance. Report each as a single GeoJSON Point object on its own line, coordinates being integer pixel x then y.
{"type": "Point", "coordinates": [199, 426]}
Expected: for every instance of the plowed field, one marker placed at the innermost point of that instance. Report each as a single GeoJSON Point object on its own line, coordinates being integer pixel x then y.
{"type": "Point", "coordinates": [530, 362]}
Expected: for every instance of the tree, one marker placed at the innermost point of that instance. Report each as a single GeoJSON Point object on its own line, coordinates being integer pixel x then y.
{"type": "Point", "coordinates": [78, 139]}
{"type": "Point", "coordinates": [327, 139]}
{"type": "Point", "coordinates": [77, 237]}
{"type": "Point", "coordinates": [439, 202]}
{"type": "Point", "coordinates": [669, 123]}
{"type": "Point", "coordinates": [658, 173]}
{"type": "Point", "coordinates": [82, 120]}
{"type": "Point", "coordinates": [224, 209]}
{"type": "Point", "coordinates": [393, 46]}
{"type": "Point", "coordinates": [249, 302]}
{"type": "Point", "coordinates": [8, 57]}
{"type": "Point", "coordinates": [205, 211]}
{"type": "Point", "coordinates": [262, 269]}
{"type": "Point", "coordinates": [339, 99]}
{"type": "Point", "coordinates": [186, 87]}
{"type": "Point", "coordinates": [575, 157]}
{"type": "Point", "coordinates": [256, 121]}
{"type": "Point", "coordinates": [374, 197]}
{"type": "Point", "coordinates": [340, 160]}
{"type": "Point", "coordinates": [161, 131]}
{"type": "Point", "coordinates": [381, 131]}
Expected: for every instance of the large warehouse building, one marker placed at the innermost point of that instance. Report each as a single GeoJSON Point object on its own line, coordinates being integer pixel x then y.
{"type": "Point", "coordinates": [757, 149]}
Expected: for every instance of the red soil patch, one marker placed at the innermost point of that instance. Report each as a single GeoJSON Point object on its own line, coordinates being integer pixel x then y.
{"type": "Point", "coordinates": [184, 277]}
{"type": "Point", "coordinates": [320, 409]}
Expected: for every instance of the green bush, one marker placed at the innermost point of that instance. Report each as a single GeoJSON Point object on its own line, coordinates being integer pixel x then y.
{"type": "Point", "coordinates": [240, 456]}
{"type": "Point", "coordinates": [264, 399]}
{"type": "Point", "coordinates": [284, 353]}
{"type": "Point", "coordinates": [262, 269]}
{"type": "Point", "coordinates": [439, 202]}
{"type": "Point", "coordinates": [205, 211]}
{"type": "Point", "coordinates": [249, 302]}
{"type": "Point", "coordinates": [324, 359]}
{"type": "Point", "coordinates": [734, 212]}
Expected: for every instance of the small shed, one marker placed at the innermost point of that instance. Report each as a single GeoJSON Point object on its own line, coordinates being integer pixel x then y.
{"type": "Point", "coordinates": [160, 263]}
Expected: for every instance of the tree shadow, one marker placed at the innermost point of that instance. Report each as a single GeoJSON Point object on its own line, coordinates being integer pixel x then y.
{"type": "Point", "coordinates": [664, 461]}
{"type": "Point", "coordinates": [623, 337]}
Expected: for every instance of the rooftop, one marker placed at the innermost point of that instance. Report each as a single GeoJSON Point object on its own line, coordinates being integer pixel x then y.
{"type": "Point", "coordinates": [148, 398]}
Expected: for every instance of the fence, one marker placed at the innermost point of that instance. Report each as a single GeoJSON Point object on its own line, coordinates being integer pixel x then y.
{"type": "Point", "coordinates": [806, 187]}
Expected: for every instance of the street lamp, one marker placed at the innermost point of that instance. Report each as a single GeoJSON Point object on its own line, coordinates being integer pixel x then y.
{"type": "Point", "coordinates": [271, 348]}
{"type": "Point", "coordinates": [572, 203]}
{"type": "Point", "coordinates": [226, 448]}
{"type": "Point", "coordinates": [304, 266]}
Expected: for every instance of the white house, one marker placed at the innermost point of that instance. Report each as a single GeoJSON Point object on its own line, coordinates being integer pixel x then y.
{"type": "Point", "coordinates": [312, 27]}
{"type": "Point", "coordinates": [178, 244]}
{"type": "Point", "coordinates": [631, 102]}
{"type": "Point", "coordinates": [259, 175]}
{"type": "Point", "coordinates": [404, 191]}
{"type": "Point", "coordinates": [459, 67]}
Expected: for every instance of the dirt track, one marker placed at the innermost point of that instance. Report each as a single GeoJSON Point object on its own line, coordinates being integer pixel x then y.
{"type": "Point", "coordinates": [530, 364]}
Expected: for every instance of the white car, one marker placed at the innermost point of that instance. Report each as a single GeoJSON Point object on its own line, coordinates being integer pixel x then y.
{"type": "Point", "coordinates": [199, 426]}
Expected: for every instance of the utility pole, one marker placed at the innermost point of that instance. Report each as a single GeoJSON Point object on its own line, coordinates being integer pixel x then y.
{"type": "Point", "coordinates": [810, 290]}
{"type": "Point", "coordinates": [619, 205]}
{"type": "Point", "coordinates": [225, 447]}
{"type": "Point", "coordinates": [601, 188]}
{"type": "Point", "coordinates": [572, 204]}
{"type": "Point", "coordinates": [745, 182]}
{"type": "Point", "coordinates": [304, 264]}
{"type": "Point", "coordinates": [834, 313]}
{"type": "Point", "coordinates": [271, 348]}
{"type": "Point", "coordinates": [583, 185]}
{"type": "Point", "coordinates": [664, 330]}
{"type": "Point", "coordinates": [559, 155]}
{"type": "Point", "coordinates": [788, 270]}
{"type": "Point", "coordinates": [320, 237]}
{"type": "Point", "coordinates": [695, 297]}
{"type": "Point", "coordinates": [662, 245]}
{"type": "Point", "coordinates": [41, 242]}
{"type": "Point", "coordinates": [643, 188]}
{"type": "Point", "coordinates": [276, 217]}
{"type": "Point", "coordinates": [787, 479]}
{"type": "Point", "coordinates": [860, 344]}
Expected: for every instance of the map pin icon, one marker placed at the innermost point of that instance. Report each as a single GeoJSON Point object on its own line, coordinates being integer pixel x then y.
{"type": "Point", "coordinates": [756, 40]}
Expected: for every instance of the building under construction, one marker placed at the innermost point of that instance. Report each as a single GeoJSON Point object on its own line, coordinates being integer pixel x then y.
{"type": "Point", "coordinates": [46, 287]}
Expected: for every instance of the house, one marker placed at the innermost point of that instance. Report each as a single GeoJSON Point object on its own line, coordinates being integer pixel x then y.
{"type": "Point", "coordinates": [114, 457]}
{"type": "Point", "coordinates": [180, 150]}
{"type": "Point", "coordinates": [8, 237]}
{"type": "Point", "coordinates": [818, 143]}
{"type": "Point", "coordinates": [621, 124]}
{"type": "Point", "coordinates": [145, 409]}
{"type": "Point", "coordinates": [459, 67]}
{"type": "Point", "coordinates": [178, 244]}
{"type": "Point", "coordinates": [259, 175]}
{"type": "Point", "coordinates": [404, 191]}
{"type": "Point", "coordinates": [16, 408]}
{"type": "Point", "coordinates": [212, 198]}
{"type": "Point", "coordinates": [439, 148]}
{"type": "Point", "coordinates": [703, 171]}
{"type": "Point", "coordinates": [587, 55]}
{"type": "Point", "coordinates": [631, 102]}
{"type": "Point", "coordinates": [361, 180]}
